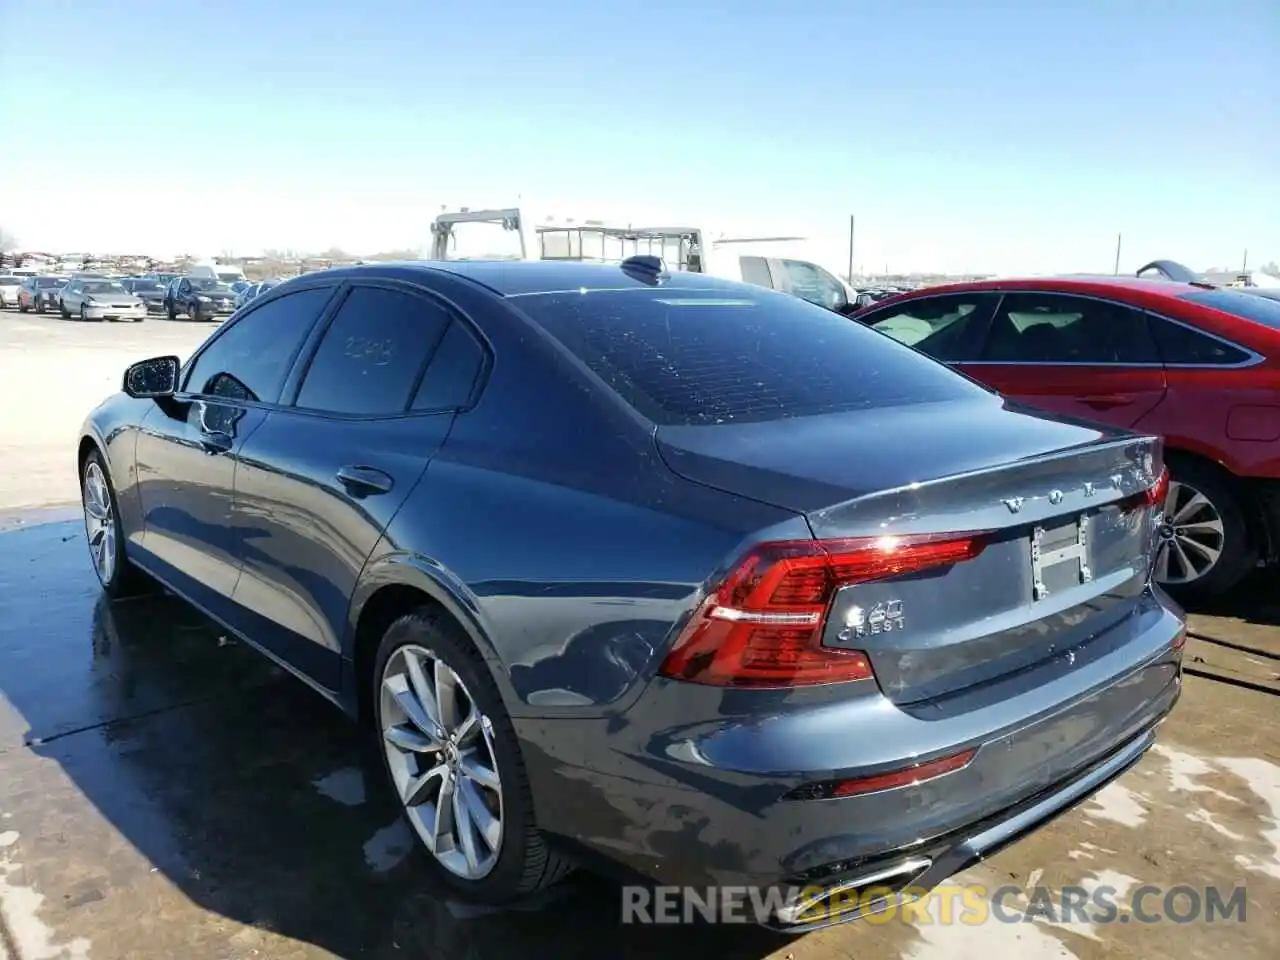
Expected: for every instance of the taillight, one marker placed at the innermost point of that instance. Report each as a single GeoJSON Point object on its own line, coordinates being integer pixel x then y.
{"type": "Point", "coordinates": [1158, 491]}
{"type": "Point", "coordinates": [1153, 496]}
{"type": "Point", "coordinates": [762, 625]}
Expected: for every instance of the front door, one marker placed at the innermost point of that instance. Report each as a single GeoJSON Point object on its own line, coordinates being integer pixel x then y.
{"type": "Point", "coordinates": [321, 481]}
{"type": "Point", "coordinates": [1076, 356]}
{"type": "Point", "coordinates": [189, 448]}
{"type": "Point", "coordinates": [186, 458]}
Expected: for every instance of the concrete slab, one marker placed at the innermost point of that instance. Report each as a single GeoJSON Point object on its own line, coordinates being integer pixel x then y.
{"type": "Point", "coordinates": [52, 373]}
{"type": "Point", "coordinates": [165, 792]}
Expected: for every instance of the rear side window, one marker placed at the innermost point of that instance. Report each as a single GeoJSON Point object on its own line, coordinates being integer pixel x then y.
{"type": "Point", "coordinates": [371, 357]}
{"type": "Point", "coordinates": [696, 357]}
{"type": "Point", "coordinates": [1060, 328]}
{"type": "Point", "coordinates": [1247, 306]}
{"type": "Point", "coordinates": [1182, 345]}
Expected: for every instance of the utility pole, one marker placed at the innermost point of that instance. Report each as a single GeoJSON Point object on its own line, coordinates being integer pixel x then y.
{"type": "Point", "coordinates": [1244, 265]}
{"type": "Point", "coordinates": [1119, 237]}
{"type": "Point", "coordinates": [852, 220]}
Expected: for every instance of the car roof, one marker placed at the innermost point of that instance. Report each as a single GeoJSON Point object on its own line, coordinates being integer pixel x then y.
{"type": "Point", "coordinates": [511, 278]}
{"type": "Point", "coordinates": [1081, 282]}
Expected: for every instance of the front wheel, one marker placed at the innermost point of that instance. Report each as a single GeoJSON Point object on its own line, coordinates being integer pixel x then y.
{"type": "Point", "coordinates": [1205, 547]}
{"type": "Point", "coordinates": [62, 309]}
{"type": "Point", "coordinates": [104, 533]}
{"type": "Point", "coordinates": [454, 762]}
{"type": "Point", "coordinates": [194, 313]}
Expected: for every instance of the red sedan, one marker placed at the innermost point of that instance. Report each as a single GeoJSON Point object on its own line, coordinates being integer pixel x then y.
{"type": "Point", "coordinates": [1196, 364]}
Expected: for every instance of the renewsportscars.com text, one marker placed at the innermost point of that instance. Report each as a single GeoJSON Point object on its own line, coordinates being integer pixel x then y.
{"type": "Point", "coordinates": [970, 904]}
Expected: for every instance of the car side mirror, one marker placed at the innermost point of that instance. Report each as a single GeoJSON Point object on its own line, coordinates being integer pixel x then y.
{"type": "Point", "coordinates": [153, 379]}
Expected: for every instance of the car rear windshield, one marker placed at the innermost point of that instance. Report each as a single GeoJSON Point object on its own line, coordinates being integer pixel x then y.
{"type": "Point", "coordinates": [1248, 306]}
{"type": "Point", "coordinates": [697, 357]}
{"type": "Point", "coordinates": [44, 283]}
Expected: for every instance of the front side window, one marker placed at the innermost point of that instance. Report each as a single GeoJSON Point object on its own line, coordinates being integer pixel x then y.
{"type": "Point", "coordinates": [690, 357]}
{"type": "Point", "coordinates": [249, 358]}
{"type": "Point", "coordinates": [948, 328]}
{"type": "Point", "coordinates": [372, 356]}
{"type": "Point", "coordinates": [810, 282]}
{"type": "Point", "coordinates": [1059, 328]}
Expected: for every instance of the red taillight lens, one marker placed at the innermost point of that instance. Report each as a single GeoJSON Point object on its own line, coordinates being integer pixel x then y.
{"type": "Point", "coordinates": [762, 626]}
{"type": "Point", "coordinates": [1158, 491]}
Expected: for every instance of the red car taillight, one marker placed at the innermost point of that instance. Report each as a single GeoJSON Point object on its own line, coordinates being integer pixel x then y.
{"type": "Point", "coordinates": [762, 625]}
{"type": "Point", "coordinates": [1159, 490]}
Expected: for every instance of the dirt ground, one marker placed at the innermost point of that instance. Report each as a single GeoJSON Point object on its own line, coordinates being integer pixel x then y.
{"type": "Point", "coordinates": [165, 792]}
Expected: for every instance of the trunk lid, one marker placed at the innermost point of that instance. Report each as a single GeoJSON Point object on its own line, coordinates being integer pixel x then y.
{"type": "Point", "coordinates": [1067, 550]}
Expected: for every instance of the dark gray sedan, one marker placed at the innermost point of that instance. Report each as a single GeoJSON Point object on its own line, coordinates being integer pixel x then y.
{"type": "Point", "coordinates": [680, 574]}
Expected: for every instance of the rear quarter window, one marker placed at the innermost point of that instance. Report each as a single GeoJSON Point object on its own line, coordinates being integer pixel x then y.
{"type": "Point", "coordinates": [685, 357]}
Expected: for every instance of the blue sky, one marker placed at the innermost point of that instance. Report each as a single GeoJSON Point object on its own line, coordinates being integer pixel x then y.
{"type": "Point", "coordinates": [965, 136]}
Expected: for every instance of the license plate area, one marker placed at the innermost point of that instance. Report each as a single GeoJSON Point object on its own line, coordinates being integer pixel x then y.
{"type": "Point", "coordinates": [1059, 556]}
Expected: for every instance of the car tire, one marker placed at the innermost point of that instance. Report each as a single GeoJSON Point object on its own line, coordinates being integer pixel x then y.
{"type": "Point", "coordinates": [194, 313]}
{"type": "Point", "coordinates": [105, 533]}
{"type": "Point", "coordinates": [483, 765]}
{"type": "Point", "coordinates": [39, 307]}
{"type": "Point", "coordinates": [170, 311]}
{"type": "Point", "coordinates": [84, 314]}
{"type": "Point", "coordinates": [1224, 504]}
{"type": "Point", "coordinates": [62, 309]}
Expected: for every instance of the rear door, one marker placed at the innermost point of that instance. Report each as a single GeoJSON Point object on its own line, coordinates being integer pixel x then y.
{"type": "Point", "coordinates": [321, 479]}
{"type": "Point", "coordinates": [1072, 355]}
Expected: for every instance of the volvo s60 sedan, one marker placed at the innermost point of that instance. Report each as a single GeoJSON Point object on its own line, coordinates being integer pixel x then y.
{"type": "Point", "coordinates": [680, 575]}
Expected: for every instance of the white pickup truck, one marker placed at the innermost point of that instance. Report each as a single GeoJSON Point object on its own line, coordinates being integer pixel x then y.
{"type": "Point", "coordinates": [775, 262]}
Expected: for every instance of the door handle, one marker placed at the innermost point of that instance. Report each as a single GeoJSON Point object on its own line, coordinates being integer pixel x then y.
{"type": "Point", "coordinates": [361, 481]}
{"type": "Point", "coordinates": [215, 441]}
{"type": "Point", "coordinates": [1108, 400]}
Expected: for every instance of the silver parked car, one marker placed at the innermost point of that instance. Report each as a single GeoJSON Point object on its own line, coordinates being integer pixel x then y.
{"type": "Point", "coordinates": [100, 299]}
{"type": "Point", "coordinates": [9, 287]}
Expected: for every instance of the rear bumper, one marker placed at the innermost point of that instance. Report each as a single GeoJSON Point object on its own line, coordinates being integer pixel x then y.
{"type": "Point", "coordinates": [687, 788]}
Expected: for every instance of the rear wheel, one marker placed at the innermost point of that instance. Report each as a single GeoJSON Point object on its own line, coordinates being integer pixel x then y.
{"type": "Point", "coordinates": [1205, 547]}
{"type": "Point", "coordinates": [454, 762]}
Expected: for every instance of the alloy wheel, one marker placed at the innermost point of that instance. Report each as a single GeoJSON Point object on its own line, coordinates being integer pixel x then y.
{"type": "Point", "coordinates": [1191, 536]}
{"type": "Point", "coordinates": [440, 751]}
{"type": "Point", "coordinates": [99, 522]}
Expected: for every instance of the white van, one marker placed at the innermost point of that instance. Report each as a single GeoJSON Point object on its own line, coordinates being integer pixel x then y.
{"type": "Point", "coordinates": [780, 263]}
{"type": "Point", "coordinates": [222, 272]}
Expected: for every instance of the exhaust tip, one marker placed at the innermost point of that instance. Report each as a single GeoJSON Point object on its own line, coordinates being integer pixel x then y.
{"type": "Point", "coordinates": [852, 897]}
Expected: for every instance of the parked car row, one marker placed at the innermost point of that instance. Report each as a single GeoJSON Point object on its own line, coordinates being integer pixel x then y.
{"type": "Point", "coordinates": [96, 296]}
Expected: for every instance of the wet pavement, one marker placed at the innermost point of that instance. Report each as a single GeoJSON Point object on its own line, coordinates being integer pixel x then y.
{"type": "Point", "coordinates": [165, 792]}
